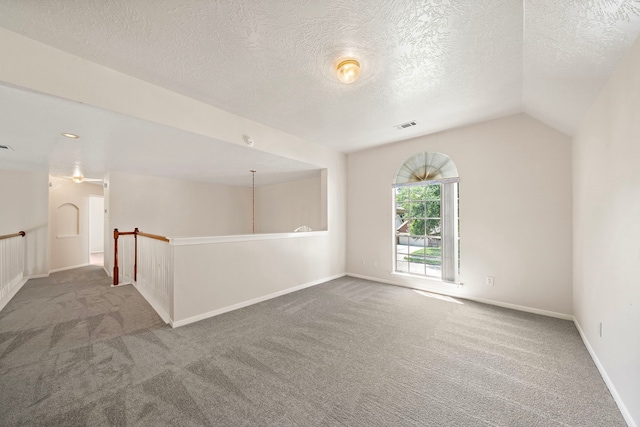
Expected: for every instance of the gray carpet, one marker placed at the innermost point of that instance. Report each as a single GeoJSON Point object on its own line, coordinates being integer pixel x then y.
{"type": "Point", "coordinates": [349, 352]}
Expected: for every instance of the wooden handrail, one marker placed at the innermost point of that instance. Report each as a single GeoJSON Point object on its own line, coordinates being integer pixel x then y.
{"type": "Point", "coordinates": [153, 236]}
{"type": "Point", "coordinates": [19, 233]}
{"type": "Point", "coordinates": [135, 233]}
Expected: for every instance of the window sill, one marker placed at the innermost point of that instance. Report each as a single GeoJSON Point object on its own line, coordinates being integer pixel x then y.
{"type": "Point", "coordinates": [425, 278]}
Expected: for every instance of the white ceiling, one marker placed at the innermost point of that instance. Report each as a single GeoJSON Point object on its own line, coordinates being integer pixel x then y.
{"type": "Point", "coordinates": [442, 63]}
{"type": "Point", "coordinates": [32, 124]}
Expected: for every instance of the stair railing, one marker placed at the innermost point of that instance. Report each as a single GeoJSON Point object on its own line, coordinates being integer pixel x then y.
{"type": "Point", "coordinates": [11, 264]}
{"type": "Point", "coordinates": [135, 233]}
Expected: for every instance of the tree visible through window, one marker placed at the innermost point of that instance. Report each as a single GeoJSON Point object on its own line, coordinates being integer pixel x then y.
{"type": "Point", "coordinates": [426, 218]}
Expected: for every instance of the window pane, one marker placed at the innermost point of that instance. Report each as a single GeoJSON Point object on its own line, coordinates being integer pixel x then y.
{"type": "Point", "coordinates": [432, 192]}
{"type": "Point", "coordinates": [402, 209]}
{"type": "Point", "coordinates": [417, 193]}
{"type": "Point", "coordinates": [416, 268]}
{"type": "Point", "coordinates": [402, 249]}
{"type": "Point", "coordinates": [432, 209]}
{"type": "Point", "coordinates": [402, 194]}
{"type": "Point", "coordinates": [417, 227]}
{"type": "Point", "coordinates": [417, 210]}
{"type": "Point", "coordinates": [432, 227]}
{"type": "Point", "coordinates": [433, 257]}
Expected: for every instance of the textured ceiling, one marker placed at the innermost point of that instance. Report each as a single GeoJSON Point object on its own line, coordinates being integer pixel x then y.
{"type": "Point", "coordinates": [442, 63]}
{"type": "Point", "coordinates": [571, 47]}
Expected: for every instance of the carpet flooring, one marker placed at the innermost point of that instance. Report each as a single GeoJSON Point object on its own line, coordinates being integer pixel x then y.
{"type": "Point", "coordinates": [349, 352]}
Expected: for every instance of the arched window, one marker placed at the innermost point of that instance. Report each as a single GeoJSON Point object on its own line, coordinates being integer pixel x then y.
{"type": "Point", "coordinates": [426, 217]}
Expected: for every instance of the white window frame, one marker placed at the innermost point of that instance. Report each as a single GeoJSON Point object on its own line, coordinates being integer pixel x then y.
{"type": "Point", "coordinates": [449, 229]}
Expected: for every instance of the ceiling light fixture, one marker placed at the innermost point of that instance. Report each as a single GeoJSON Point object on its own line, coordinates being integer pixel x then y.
{"type": "Point", "coordinates": [348, 70]}
{"type": "Point", "coordinates": [70, 135]}
{"type": "Point", "coordinates": [77, 178]}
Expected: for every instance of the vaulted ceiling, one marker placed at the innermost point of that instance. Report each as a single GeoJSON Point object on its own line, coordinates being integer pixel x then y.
{"type": "Point", "coordinates": [441, 63]}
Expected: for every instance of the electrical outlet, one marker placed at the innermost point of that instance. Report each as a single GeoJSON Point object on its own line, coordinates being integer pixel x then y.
{"type": "Point", "coordinates": [363, 262]}
{"type": "Point", "coordinates": [489, 281]}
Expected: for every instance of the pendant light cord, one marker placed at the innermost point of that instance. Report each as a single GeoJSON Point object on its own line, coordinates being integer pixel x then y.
{"type": "Point", "coordinates": [253, 201]}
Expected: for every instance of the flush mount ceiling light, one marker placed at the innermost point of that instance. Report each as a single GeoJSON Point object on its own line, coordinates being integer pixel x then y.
{"type": "Point", "coordinates": [70, 135]}
{"type": "Point", "coordinates": [348, 70]}
{"type": "Point", "coordinates": [77, 178]}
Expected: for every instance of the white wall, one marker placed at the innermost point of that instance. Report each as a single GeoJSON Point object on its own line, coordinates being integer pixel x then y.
{"type": "Point", "coordinates": [177, 208]}
{"type": "Point", "coordinates": [172, 207]}
{"type": "Point", "coordinates": [606, 158]}
{"type": "Point", "coordinates": [67, 250]}
{"type": "Point", "coordinates": [515, 209]}
{"type": "Point", "coordinates": [24, 198]}
{"type": "Point", "coordinates": [281, 208]}
{"type": "Point", "coordinates": [210, 278]}
{"type": "Point", "coordinates": [96, 224]}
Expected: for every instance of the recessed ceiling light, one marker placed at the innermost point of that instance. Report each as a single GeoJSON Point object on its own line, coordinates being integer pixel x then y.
{"type": "Point", "coordinates": [70, 135]}
{"type": "Point", "coordinates": [348, 70]}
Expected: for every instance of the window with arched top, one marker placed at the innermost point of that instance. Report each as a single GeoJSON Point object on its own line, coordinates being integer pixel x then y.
{"type": "Point", "coordinates": [426, 216]}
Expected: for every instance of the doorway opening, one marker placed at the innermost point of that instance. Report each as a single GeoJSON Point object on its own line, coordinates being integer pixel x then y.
{"type": "Point", "coordinates": [96, 230]}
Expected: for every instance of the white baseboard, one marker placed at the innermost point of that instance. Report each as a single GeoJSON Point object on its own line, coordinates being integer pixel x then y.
{"type": "Point", "coordinates": [68, 268]}
{"type": "Point", "coordinates": [472, 298]}
{"type": "Point", "coordinates": [38, 276]}
{"type": "Point", "coordinates": [524, 308]}
{"type": "Point", "coordinates": [243, 304]}
{"type": "Point", "coordinates": [605, 377]}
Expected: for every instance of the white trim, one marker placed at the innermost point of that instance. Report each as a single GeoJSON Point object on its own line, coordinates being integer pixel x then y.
{"type": "Point", "coordinates": [605, 377]}
{"type": "Point", "coordinates": [106, 271]}
{"type": "Point", "coordinates": [468, 297]}
{"type": "Point", "coordinates": [428, 182]}
{"type": "Point", "coordinates": [188, 241]}
{"type": "Point", "coordinates": [68, 236]}
{"type": "Point", "coordinates": [68, 268]}
{"type": "Point", "coordinates": [38, 276]}
{"type": "Point", "coordinates": [121, 284]}
{"type": "Point", "coordinates": [524, 308]}
{"type": "Point", "coordinates": [243, 304]}
{"type": "Point", "coordinates": [13, 293]}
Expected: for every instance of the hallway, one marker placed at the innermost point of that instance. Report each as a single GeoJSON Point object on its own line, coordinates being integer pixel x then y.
{"type": "Point", "coordinates": [58, 340]}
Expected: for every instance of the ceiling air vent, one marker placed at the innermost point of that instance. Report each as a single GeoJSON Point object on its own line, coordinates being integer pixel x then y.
{"type": "Point", "coordinates": [6, 147]}
{"type": "Point", "coordinates": [406, 125]}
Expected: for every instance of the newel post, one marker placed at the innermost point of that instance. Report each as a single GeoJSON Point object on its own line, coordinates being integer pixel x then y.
{"type": "Point", "coordinates": [116, 233]}
{"type": "Point", "coordinates": [135, 255]}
